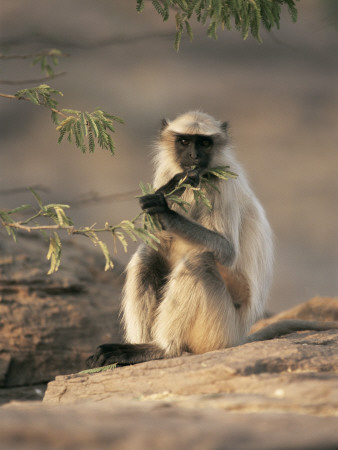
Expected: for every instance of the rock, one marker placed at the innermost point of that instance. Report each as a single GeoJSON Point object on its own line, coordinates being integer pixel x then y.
{"type": "Point", "coordinates": [278, 394]}
{"type": "Point", "coordinates": [161, 425]}
{"type": "Point", "coordinates": [51, 324]}
{"type": "Point", "coordinates": [22, 393]}
{"type": "Point", "coordinates": [295, 373]}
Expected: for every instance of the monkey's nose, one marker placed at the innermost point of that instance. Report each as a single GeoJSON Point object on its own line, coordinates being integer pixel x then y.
{"type": "Point", "coordinates": [194, 155]}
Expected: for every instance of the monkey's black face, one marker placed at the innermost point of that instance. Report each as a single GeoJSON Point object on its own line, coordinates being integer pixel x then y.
{"type": "Point", "coordinates": [193, 150]}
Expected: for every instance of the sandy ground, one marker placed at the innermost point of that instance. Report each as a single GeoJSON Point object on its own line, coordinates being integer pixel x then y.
{"type": "Point", "coordinates": [281, 99]}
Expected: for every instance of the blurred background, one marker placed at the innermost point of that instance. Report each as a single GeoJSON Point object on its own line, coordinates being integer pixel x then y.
{"type": "Point", "coordinates": [280, 98]}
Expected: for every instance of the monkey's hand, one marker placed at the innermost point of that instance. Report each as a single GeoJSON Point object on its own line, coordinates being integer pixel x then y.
{"type": "Point", "coordinates": [192, 178]}
{"type": "Point", "coordinates": [154, 204]}
{"type": "Point", "coordinates": [157, 204]}
{"type": "Point", "coordinates": [170, 186]}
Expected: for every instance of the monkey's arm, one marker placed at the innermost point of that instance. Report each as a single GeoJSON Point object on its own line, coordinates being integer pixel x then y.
{"type": "Point", "coordinates": [171, 221]}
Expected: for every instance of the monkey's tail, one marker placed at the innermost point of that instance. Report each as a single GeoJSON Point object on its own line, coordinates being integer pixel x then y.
{"type": "Point", "coordinates": [289, 326]}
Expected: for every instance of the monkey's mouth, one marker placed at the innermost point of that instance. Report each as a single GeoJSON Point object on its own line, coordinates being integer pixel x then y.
{"type": "Point", "coordinates": [201, 168]}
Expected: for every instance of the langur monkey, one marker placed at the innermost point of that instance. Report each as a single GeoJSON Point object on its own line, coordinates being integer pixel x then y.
{"type": "Point", "coordinates": [209, 280]}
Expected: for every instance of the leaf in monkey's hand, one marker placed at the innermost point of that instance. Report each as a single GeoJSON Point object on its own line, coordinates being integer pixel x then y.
{"type": "Point", "coordinates": [147, 237]}
{"type": "Point", "coordinates": [222, 172]}
{"type": "Point", "coordinates": [146, 189]}
{"type": "Point", "coordinates": [179, 201]}
{"type": "Point", "coordinates": [206, 181]}
{"type": "Point", "coordinates": [129, 227]}
{"type": "Point", "coordinates": [151, 223]}
{"type": "Point", "coordinates": [200, 196]}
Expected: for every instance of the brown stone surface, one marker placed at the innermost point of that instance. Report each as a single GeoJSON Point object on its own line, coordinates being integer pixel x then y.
{"type": "Point", "coordinates": [50, 324]}
{"type": "Point", "coordinates": [127, 425]}
{"type": "Point", "coordinates": [295, 373]}
{"type": "Point", "coordinates": [279, 394]}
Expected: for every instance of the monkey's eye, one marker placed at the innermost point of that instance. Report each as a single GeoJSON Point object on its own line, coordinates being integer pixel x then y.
{"type": "Point", "coordinates": [206, 143]}
{"type": "Point", "coordinates": [183, 141]}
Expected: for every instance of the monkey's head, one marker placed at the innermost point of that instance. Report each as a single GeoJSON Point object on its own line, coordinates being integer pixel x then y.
{"type": "Point", "coordinates": [193, 140]}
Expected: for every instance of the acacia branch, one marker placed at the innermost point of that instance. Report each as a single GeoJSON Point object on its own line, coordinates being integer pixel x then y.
{"type": "Point", "coordinates": [29, 229]}
{"type": "Point", "coordinates": [144, 226]}
{"type": "Point", "coordinates": [80, 127]}
{"type": "Point", "coordinates": [16, 97]}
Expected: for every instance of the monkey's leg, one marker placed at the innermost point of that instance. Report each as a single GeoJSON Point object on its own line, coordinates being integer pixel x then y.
{"type": "Point", "coordinates": [197, 313]}
{"type": "Point", "coordinates": [146, 275]}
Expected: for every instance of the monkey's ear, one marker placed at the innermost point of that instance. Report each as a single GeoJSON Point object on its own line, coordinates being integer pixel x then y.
{"type": "Point", "coordinates": [164, 124]}
{"type": "Point", "coordinates": [224, 126]}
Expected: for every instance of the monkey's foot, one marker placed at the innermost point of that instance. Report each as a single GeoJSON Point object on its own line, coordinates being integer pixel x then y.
{"type": "Point", "coordinates": [123, 354]}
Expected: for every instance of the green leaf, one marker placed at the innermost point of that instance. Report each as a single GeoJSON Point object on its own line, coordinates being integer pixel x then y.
{"type": "Point", "coordinates": [7, 219]}
{"type": "Point", "coordinates": [56, 205]}
{"type": "Point", "coordinates": [211, 32]}
{"type": "Point", "coordinates": [194, 5]}
{"type": "Point", "coordinates": [189, 30]}
{"type": "Point", "coordinates": [37, 197]}
{"type": "Point", "coordinates": [61, 215]}
{"type": "Point", "coordinates": [49, 71]}
{"type": "Point", "coordinates": [33, 97]}
{"type": "Point", "coordinates": [92, 124]}
{"type": "Point", "coordinates": [105, 251]}
{"type": "Point", "coordinates": [91, 141]}
{"type": "Point", "coordinates": [178, 200]}
{"type": "Point", "coordinates": [152, 223]}
{"type": "Point", "coordinates": [96, 241]}
{"type": "Point", "coordinates": [100, 369]}
{"type": "Point", "coordinates": [129, 228]}
{"type": "Point", "coordinates": [79, 136]}
{"type": "Point", "coordinates": [83, 124]}
{"type": "Point", "coordinates": [54, 253]}
{"type": "Point", "coordinates": [222, 172]}
{"type": "Point", "coordinates": [40, 95]}
{"type": "Point", "coordinates": [200, 196]}
{"type": "Point", "coordinates": [140, 5]}
{"type": "Point", "coordinates": [19, 209]}
{"type": "Point", "coordinates": [111, 117]}
{"type": "Point", "coordinates": [247, 15]}
{"type": "Point", "coordinates": [146, 189]}
{"type": "Point", "coordinates": [205, 180]}
{"type": "Point", "coordinates": [164, 13]}
{"type": "Point", "coordinates": [55, 117]}
{"type": "Point", "coordinates": [62, 132]}
{"type": "Point", "coordinates": [147, 237]}
{"type": "Point", "coordinates": [73, 112]}
{"type": "Point", "coordinates": [122, 239]}
{"type": "Point", "coordinates": [179, 32]}
{"type": "Point", "coordinates": [292, 10]}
